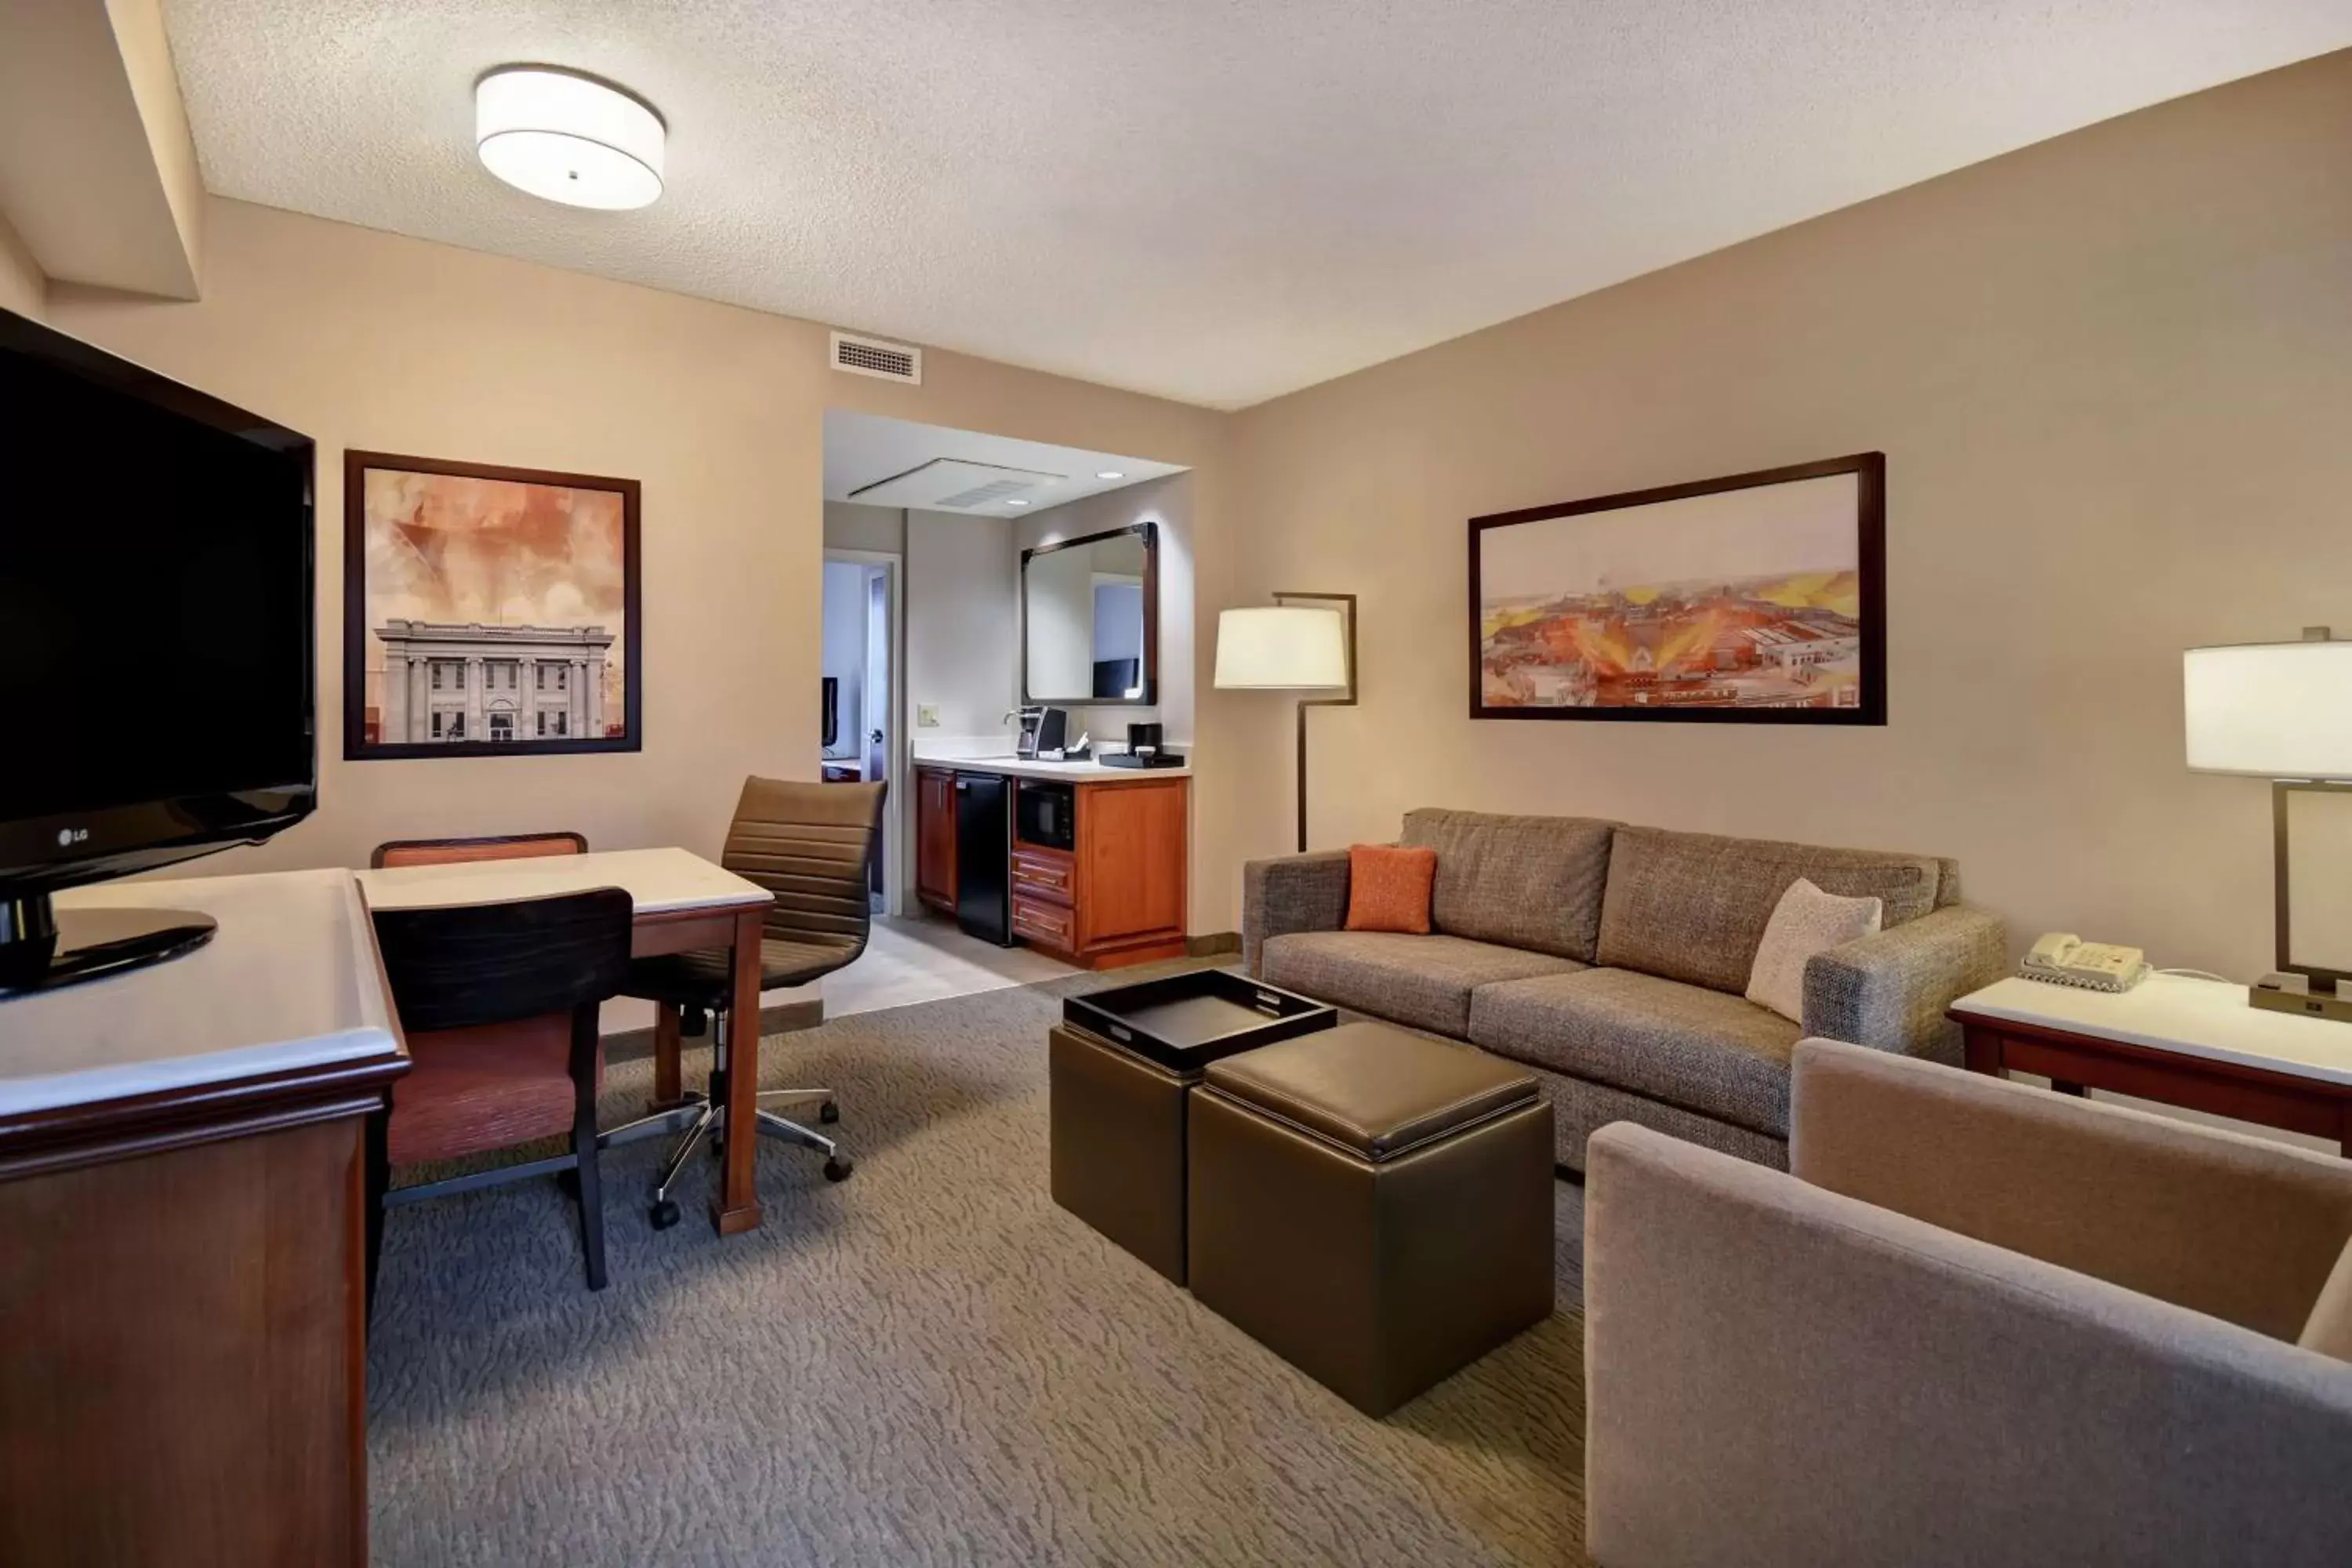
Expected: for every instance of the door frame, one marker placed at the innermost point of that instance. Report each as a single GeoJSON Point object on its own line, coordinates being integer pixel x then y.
{"type": "Point", "coordinates": [899, 808]}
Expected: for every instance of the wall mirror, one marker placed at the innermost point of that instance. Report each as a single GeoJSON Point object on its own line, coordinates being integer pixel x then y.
{"type": "Point", "coordinates": [1090, 619]}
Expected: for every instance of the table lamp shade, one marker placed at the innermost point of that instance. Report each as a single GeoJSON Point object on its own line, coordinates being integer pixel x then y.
{"type": "Point", "coordinates": [1282, 648]}
{"type": "Point", "coordinates": [2275, 711]}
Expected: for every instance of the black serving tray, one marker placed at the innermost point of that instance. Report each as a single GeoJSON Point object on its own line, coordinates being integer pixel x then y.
{"type": "Point", "coordinates": [1187, 1021]}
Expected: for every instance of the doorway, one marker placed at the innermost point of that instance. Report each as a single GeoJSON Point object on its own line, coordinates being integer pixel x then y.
{"type": "Point", "coordinates": [861, 690]}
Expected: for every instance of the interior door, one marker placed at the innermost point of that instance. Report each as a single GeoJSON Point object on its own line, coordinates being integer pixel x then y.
{"type": "Point", "coordinates": [877, 717]}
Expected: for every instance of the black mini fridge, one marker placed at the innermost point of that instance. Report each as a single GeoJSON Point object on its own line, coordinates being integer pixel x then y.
{"type": "Point", "coordinates": [983, 852]}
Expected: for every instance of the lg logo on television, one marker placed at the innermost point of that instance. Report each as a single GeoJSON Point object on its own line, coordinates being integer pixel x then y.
{"type": "Point", "coordinates": [69, 836]}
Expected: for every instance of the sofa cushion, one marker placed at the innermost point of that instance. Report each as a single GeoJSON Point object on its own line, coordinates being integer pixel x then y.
{"type": "Point", "coordinates": [1422, 981]}
{"type": "Point", "coordinates": [1524, 881]}
{"type": "Point", "coordinates": [1692, 907]}
{"type": "Point", "coordinates": [1719, 1056]}
{"type": "Point", "coordinates": [1388, 888]}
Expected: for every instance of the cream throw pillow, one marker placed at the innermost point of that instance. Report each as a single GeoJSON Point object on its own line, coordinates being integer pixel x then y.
{"type": "Point", "coordinates": [1805, 921]}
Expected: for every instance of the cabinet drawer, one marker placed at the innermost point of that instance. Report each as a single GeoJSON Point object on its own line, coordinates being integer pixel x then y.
{"type": "Point", "coordinates": [1050, 923]}
{"type": "Point", "coordinates": [1043, 873]}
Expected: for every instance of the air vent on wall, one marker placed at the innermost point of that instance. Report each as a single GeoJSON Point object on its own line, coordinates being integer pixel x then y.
{"type": "Point", "coordinates": [871, 356]}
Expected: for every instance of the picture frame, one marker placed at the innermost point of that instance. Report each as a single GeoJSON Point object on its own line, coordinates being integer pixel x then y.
{"type": "Point", "coordinates": [488, 611]}
{"type": "Point", "coordinates": [1753, 598]}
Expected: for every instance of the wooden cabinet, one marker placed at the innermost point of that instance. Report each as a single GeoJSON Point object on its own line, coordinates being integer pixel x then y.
{"type": "Point", "coordinates": [935, 838]}
{"type": "Point", "coordinates": [1119, 896]}
{"type": "Point", "coordinates": [1116, 895]}
{"type": "Point", "coordinates": [182, 1262]}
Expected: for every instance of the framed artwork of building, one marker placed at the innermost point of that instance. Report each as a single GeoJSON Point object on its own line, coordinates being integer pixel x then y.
{"type": "Point", "coordinates": [488, 611]}
{"type": "Point", "coordinates": [1759, 598]}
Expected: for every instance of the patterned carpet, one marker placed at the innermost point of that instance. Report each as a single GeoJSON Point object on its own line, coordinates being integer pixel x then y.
{"type": "Point", "coordinates": [928, 1363]}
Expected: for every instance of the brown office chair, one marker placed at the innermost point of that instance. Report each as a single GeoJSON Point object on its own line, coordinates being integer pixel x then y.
{"type": "Point", "coordinates": [809, 845]}
{"type": "Point", "coordinates": [499, 1003]}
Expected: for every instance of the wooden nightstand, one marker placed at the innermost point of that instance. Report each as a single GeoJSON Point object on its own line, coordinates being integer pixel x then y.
{"type": "Point", "coordinates": [2191, 1043]}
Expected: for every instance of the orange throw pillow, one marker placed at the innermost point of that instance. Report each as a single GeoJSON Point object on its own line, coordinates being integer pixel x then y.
{"type": "Point", "coordinates": [1388, 888]}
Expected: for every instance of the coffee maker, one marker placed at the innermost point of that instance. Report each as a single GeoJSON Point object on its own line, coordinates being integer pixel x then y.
{"type": "Point", "coordinates": [1043, 730]}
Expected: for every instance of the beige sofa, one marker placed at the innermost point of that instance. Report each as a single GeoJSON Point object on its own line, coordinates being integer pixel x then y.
{"type": "Point", "coordinates": [1611, 961]}
{"type": "Point", "coordinates": [1977, 1323]}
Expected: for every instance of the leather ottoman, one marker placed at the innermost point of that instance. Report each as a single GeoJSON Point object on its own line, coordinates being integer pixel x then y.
{"type": "Point", "coordinates": [1121, 1066]}
{"type": "Point", "coordinates": [1372, 1205]}
{"type": "Point", "coordinates": [1118, 1144]}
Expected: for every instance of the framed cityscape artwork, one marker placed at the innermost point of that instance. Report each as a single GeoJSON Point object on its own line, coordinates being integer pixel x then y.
{"type": "Point", "coordinates": [1757, 599]}
{"type": "Point", "coordinates": [486, 611]}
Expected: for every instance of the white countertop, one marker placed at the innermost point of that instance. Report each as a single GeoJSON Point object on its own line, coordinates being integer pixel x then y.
{"type": "Point", "coordinates": [1024, 768]}
{"type": "Point", "coordinates": [2175, 1013]}
{"type": "Point", "coordinates": [289, 981]}
{"type": "Point", "coordinates": [659, 881]}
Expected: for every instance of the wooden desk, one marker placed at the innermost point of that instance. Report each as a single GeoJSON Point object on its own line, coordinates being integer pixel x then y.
{"type": "Point", "coordinates": [183, 1359]}
{"type": "Point", "coordinates": [2191, 1043]}
{"type": "Point", "coordinates": [682, 901]}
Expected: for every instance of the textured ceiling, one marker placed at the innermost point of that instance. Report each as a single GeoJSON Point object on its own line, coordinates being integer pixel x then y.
{"type": "Point", "coordinates": [1215, 200]}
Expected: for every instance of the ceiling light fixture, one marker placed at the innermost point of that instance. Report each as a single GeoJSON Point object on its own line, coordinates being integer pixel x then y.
{"type": "Point", "coordinates": [568, 138]}
{"type": "Point", "coordinates": [1110, 474]}
{"type": "Point", "coordinates": [1016, 503]}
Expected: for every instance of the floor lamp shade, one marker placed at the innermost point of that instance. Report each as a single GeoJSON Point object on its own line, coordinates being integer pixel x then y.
{"type": "Point", "coordinates": [1282, 648]}
{"type": "Point", "coordinates": [2274, 710]}
{"type": "Point", "coordinates": [1306, 648]}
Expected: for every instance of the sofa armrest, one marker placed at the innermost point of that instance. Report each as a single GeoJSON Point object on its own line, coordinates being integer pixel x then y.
{"type": "Point", "coordinates": [2242, 1228]}
{"type": "Point", "coordinates": [1295, 892]}
{"type": "Point", "coordinates": [1889, 990]}
{"type": "Point", "coordinates": [1779, 1375]}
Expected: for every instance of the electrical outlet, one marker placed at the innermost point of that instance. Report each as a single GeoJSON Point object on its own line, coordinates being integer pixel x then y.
{"type": "Point", "coordinates": [926, 715]}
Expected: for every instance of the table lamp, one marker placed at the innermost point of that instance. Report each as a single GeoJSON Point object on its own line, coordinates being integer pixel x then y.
{"type": "Point", "coordinates": [2283, 712]}
{"type": "Point", "coordinates": [1303, 642]}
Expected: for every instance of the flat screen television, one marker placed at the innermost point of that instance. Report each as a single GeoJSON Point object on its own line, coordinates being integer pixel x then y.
{"type": "Point", "coordinates": [157, 655]}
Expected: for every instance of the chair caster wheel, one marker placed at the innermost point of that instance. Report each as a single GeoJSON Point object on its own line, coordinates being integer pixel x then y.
{"type": "Point", "coordinates": [567, 1183]}
{"type": "Point", "coordinates": [828, 1113]}
{"type": "Point", "coordinates": [838, 1169]}
{"type": "Point", "coordinates": [664, 1215]}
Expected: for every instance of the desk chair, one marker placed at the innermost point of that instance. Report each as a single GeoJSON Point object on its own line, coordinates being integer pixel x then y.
{"type": "Point", "coordinates": [486, 1077]}
{"type": "Point", "coordinates": [445, 851]}
{"type": "Point", "coordinates": [809, 845]}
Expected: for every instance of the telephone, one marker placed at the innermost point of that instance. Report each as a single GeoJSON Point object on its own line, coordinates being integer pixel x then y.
{"type": "Point", "coordinates": [2064, 959]}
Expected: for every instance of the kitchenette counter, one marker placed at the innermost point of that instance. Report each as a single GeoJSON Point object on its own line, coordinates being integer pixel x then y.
{"type": "Point", "coordinates": [1085, 862]}
{"type": "Point", "coordinates": [1024, 768]}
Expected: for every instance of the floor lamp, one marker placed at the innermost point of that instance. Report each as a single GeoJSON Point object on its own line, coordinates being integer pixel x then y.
{"type": "Point", "coordinates": [1303, 642]}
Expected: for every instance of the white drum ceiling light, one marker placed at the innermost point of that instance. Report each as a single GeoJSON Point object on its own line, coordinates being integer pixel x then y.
{"type": "Point", "coordinates": [568, 138]}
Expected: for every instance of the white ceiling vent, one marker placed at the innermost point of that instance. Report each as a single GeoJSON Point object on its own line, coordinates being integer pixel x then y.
{"type": "Point", "coordinates": [872, 356]}
{"type": "Point", "coordinates": [953, 484]}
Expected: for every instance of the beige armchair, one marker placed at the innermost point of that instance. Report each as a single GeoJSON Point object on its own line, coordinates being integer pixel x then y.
{"type": "Point", "coordinates": [1976, 1323]}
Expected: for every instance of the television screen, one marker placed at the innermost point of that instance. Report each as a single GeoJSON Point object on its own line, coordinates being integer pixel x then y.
{"type": "Point", "coordinates": [155, 608]}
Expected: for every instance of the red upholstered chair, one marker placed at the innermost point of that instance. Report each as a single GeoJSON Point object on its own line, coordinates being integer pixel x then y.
{"type": "Point", "coordinates": [486, 1076]}
{"type": "Point", "coordinates": [441, 851]}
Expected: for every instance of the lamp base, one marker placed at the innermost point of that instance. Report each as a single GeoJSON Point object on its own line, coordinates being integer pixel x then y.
{"type": "Point", "coordinates": [2296, 993]}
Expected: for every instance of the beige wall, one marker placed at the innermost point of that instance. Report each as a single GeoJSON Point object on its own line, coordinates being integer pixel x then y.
{"type": "Point", "coordinates": [368, 340]}
{"type": "Point", "coordinates": [2112, 378]}
{"type": "Point", "coordinates": [879, 528]}
{"type": "Point", "coordinates": [959, 627]}
{"type": "Point", "coordinates": [21, 284]}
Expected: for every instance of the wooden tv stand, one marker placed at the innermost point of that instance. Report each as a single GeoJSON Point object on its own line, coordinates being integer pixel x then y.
{"type": "Point", "coordinates": [182, 1290]}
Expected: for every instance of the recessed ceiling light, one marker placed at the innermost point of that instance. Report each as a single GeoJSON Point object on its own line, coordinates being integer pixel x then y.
{"type": "Point", "coordinates": [1016, 503]}
{"type": "Point", "coordinates": [568, 138]}
{"type": "Point", "coordinates": [1110, 474]}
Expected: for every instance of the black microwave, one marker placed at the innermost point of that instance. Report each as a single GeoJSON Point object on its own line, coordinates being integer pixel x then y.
{"type": "Point", "coordinates": [1045, 815]}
